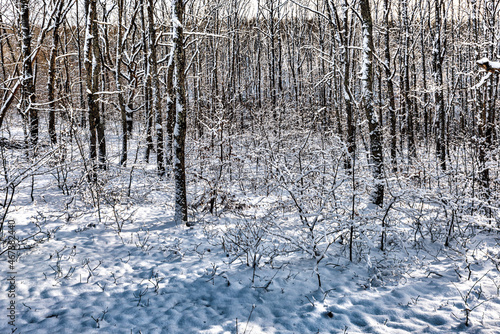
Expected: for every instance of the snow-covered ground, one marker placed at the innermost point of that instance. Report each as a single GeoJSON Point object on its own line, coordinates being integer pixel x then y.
{"type": "Point", "coordinates": [125, 267]}
{"type": "Point", "coordinates": [156, 277]}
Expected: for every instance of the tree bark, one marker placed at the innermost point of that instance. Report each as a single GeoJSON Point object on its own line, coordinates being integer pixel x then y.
{"type": "Point", "coordinates": [155, 91]}
{"type": "Point", "coordinates": [147, 87]}
{"type": "Point", "coordinates": [181, 216]}
{"type": "Point", "coordinates": [340, 25]}
{"type": "Point", "coordinates": [30, 113]}
{"type": "Point", "coordinates": [92, 69]}
{"type": "Point", "coordinates": [376, 154]}
{"type": "Point", "coordinates": [390, 87]}
{"type": "Point", "coordinates": [52, 72]}
{"type": "Point", "coordinates": [407, 102]}
{"type": "Point", "coordinates": [121, 99]}
{"type": "Point", "coordinates": [437, 61]}
{"type": "Point", "coordinates": [170, 109]}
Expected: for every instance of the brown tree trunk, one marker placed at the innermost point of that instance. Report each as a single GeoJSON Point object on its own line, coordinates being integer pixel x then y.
{"type": "Point", "coordinates": [92, 69]}
{"type": "Point", "coordinates": [52, 73]}
{"type": "Point", "coordinates": [155, 91]}
{"type": "Point", "coordinates": [147, 87]}
{"type": "Point", "coordinates": [438, 95]}
{"type": "Point", "coordinates": [30, 113]}
{"type": "Point", "coordinates": [181, 216]}
{"type": "Point", "coordinates": [121, 99]}
{"type": "Point", "coordinates": [390, 87]}
{"type": "Point", "coordinates": [376, 153]}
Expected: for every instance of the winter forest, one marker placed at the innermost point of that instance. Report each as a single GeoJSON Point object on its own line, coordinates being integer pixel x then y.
{"type": "Point", "coordinates": [249, 166]}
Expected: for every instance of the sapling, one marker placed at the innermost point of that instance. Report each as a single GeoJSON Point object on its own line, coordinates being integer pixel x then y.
{"type": "Point", "coordinates": [98, 320]}
{"type": "Point", "coordinates": [86, 263]}
{"type": "Point", "coordinates": [497, 286]}
{"type": "Point", "coordinates": [155, 280]}
{"type": "Point", "coordinates": [139, 294]}
{"type": "Point", "coordinates": [468, 298]}
{"type": "Point", "coordinates": [143, 242]}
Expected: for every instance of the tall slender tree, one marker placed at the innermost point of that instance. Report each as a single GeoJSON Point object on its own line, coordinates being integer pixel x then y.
{"type": "Point", "coordinates": [407, 101]}
{"type": "Point", "coordinates": [118, 82]}
{"type": "Point", "coordinates": [390, 84]}
{"type": "Point", "coordinates": [437, 65]}
{"type": "Point", "coordinates": [340, 24]}
{"type": "Point", "coordinates": [155, 89]}
{"type": "Point", "coordinates": [29, 111]}
{"type": "Point", "coordinates": [146, 84]}
{"type": "Point", "coordinates": [181, 215]}
{"type": "Point", "coordinates": [92, 64]}
{"type": "Point", "coordinates": [57, 20]}
{"type": "Point", "coordinates": [170, 109]}
{"type": "Point", "coordinates": [376, 152]}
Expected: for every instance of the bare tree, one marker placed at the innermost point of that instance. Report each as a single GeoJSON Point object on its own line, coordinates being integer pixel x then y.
{"type": "Point", "coordinates": [407, 106]}
{"type": "Point", "coordinates": [58, 16]}
{"type": "Point", "coordinates": [155, 89]}
{"type": "Point", "coordinates": [170, 110]}
{"type": "Point", "coordinates": [28, 109]}
{"type": "Point", "coordinates": [181, 216]}
{"type": "Point", "coordinates": [390, 85]}
{"type": "Point", "coordinates": [437, 65]}
{"type": "Point", "coordinates": [376, 152]}
{"type": "Point", "coordinates": [52, 71]}
{"type": "Point", "coordinates": [92, 63]}
{"type": "Point", "coordinates": [147, 85]}
{"type": "Point", "coordinates": [118, 79]}
{"type": "Point", "coordinates": [340, 23]}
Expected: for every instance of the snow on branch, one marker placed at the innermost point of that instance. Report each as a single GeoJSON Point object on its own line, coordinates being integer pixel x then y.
{"type": "Point", "coordinates": [488, 65]}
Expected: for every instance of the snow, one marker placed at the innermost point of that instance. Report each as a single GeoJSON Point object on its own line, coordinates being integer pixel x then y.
{"type": "Point", "coordinates": [176, 130]}
{"type": "Point", "coordinates": [483, 61]}
{"type": "Point", "coordinates": [158, 277]}
{"type": "Point", "coordinates": [495, 65]}
{"type": "Point", "coordinates": [488, 64]}
{"type": "Point", "coordinates": [366, 65]}
{"type": "Point", "coordinates": [178, 106]}
{"type": "Point", "coordinates": [175, 22]}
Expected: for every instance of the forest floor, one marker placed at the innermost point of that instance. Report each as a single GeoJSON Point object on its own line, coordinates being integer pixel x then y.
{"type": "Point", "coordinates": [255, 264]}
{"type": "Point", "coordinates": [82, 276]}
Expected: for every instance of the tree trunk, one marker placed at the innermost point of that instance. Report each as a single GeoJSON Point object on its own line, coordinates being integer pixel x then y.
{"type": "Point", "coordinates": [342, 39]}
{"type": "Point", "coordinates": [376, 155]}
{"type": "Point", "coordinates": [390, 87]}
{"type": "Point", "coordinates": [121, 99]}
{"type": "Point", "coordinates": [52, 73]}
{"type": "Point", "coordinates": [407, 102]}
{"type": "Point", "coordinates": [147, 88]}
{"type": "Point", "coordinates": [92, 69]}
{"type": "Point", "coordinates": [30, 113]}
{"type": "Point", "coordinates": [181, 216]}
{"type": "Point", "coordinates": [80, 71]}
{"type": "Point", "coordinates": [438, 95]}
{"type": "Point", "coordinates": [155, 91]}
{"type": "Point", "coordinates": [170, 108]}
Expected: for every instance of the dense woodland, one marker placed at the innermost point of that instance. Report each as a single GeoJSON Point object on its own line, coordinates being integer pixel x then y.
{"type": "Point", "coordinates": [322, 107]}
{"type": "Point", "coordinates": [173, 166]}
